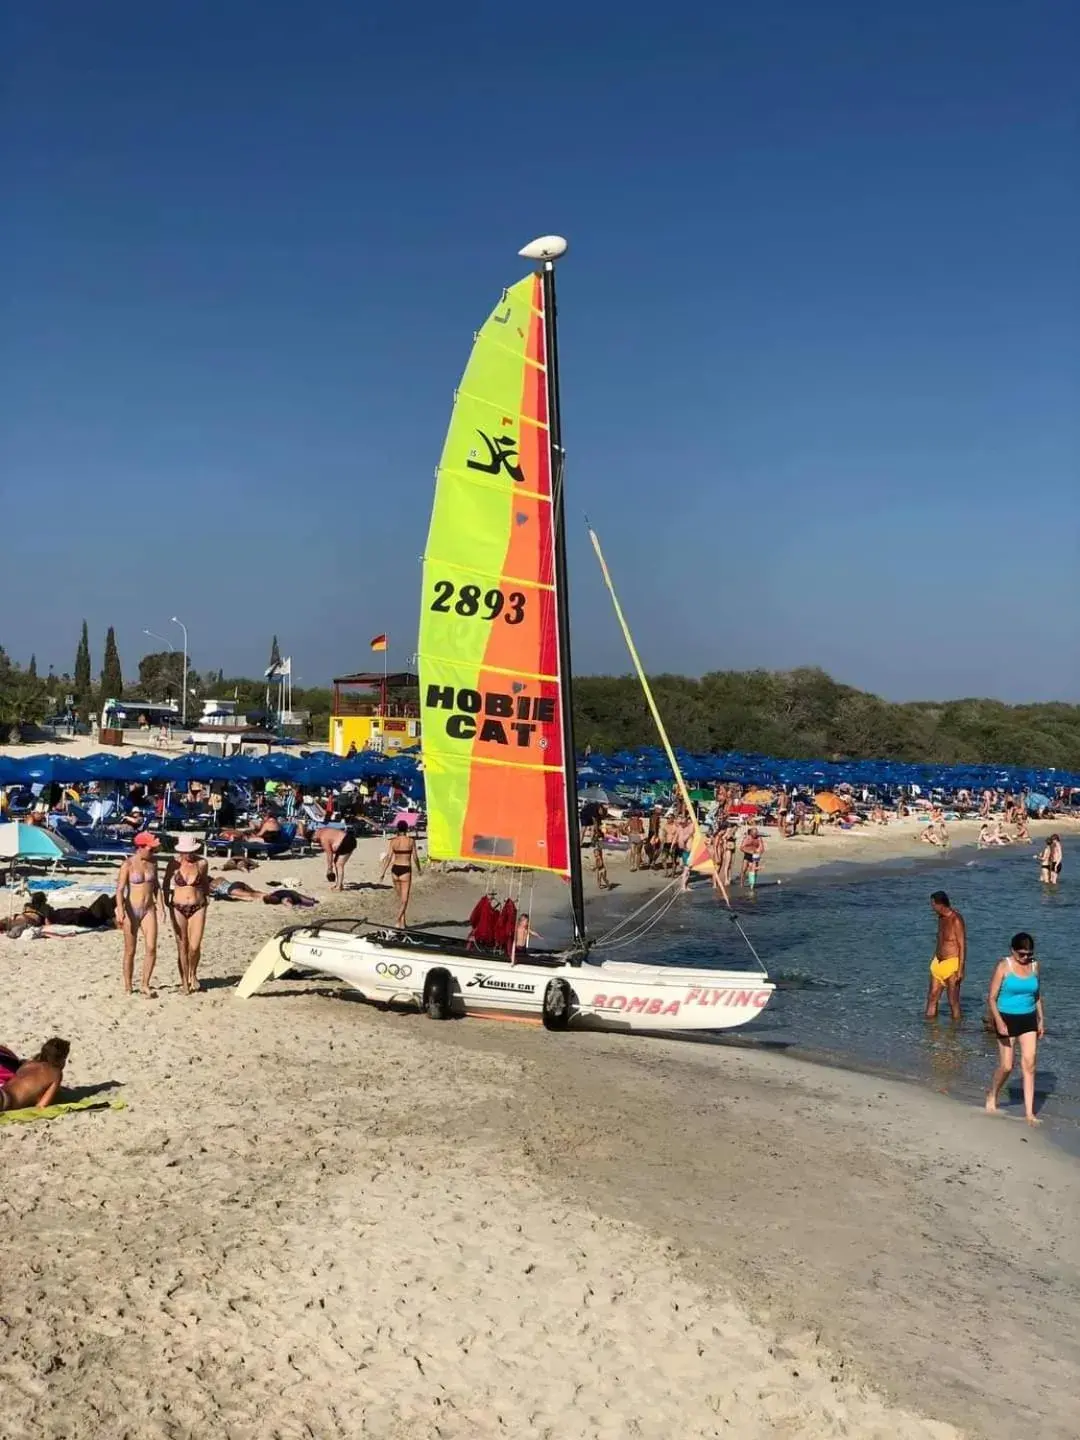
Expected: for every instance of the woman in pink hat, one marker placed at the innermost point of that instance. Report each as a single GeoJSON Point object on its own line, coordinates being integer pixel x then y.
{"type": "Point", "coordinates": [187, 892]}
{"type": "Point", "coordinates": [138, 906]}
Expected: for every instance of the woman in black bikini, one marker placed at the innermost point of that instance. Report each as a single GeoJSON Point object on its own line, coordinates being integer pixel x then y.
{"type": "Point", "coordinates": [138, 905]}
{"type": "Point", "coordinates": [187, 888]}
{"type": "Point", "coordinates": [400, 859]}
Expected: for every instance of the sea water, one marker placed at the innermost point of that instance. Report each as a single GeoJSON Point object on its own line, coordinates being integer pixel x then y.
{"type": "Point", "coordinates": [849, 950]}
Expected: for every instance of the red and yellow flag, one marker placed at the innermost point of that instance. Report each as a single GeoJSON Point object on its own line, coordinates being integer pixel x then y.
{"type": "Point", "coordinates": [379, 642]}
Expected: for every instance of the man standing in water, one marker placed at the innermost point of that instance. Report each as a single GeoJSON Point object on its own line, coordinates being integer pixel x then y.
{"type": "Point", "coordinates": [950, 957]}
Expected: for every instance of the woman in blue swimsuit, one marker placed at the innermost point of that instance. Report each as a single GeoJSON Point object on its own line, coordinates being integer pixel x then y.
{"type": "Point", "coordinates": [1016, 1008]}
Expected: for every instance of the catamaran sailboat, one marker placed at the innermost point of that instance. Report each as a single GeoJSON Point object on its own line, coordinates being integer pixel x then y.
{"type": "Point", "coordinates": [498, 741]}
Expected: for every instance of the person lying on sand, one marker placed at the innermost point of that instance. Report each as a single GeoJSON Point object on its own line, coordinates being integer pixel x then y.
{"type": "Point", "coordinates": [241, 890]}
{"type": "Point", "coordinates": [34, 1082]}
{"type": "Point", "coordinates": [29, 919]}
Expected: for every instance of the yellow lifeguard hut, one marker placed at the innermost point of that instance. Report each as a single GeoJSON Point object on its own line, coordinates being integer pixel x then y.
{"type": "Point", "coordinates": [375, 711]}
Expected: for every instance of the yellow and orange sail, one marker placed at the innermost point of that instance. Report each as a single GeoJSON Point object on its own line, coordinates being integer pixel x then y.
{"type": "Point", "coordinates": [490, 685]}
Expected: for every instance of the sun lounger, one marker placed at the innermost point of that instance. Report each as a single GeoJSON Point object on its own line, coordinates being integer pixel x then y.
{"type": "Point", "coordinates": [91, 849]}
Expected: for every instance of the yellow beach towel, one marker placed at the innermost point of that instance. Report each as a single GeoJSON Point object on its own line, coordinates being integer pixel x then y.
{"type": "Point", "coordinates": [52, 1112]}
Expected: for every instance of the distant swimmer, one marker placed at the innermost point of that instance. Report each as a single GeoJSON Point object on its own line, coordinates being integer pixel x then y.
{"type": "Point", "coordinates": [1050, 861]}
{"type": "Point", "coordinates": [950, 957]}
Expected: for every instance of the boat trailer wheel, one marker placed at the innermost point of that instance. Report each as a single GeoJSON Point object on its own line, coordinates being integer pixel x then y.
{"type": "Point", "coordinates": [437, 993]}
{"type": "Point", "coordinates": [557, 1001]}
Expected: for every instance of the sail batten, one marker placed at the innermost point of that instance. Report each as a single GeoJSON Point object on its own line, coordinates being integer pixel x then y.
{"type": "Point", "coordinates": [490, 682]}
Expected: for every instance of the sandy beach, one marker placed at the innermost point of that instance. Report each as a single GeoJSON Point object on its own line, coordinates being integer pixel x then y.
{"type": "Point", "coordinates": [314, 1218]}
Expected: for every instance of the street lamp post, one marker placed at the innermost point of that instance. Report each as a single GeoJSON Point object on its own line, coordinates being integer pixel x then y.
{"type": "Point", "coordinates": [183, 698]}
{"type": "Point", "coordinates": [155, 636]}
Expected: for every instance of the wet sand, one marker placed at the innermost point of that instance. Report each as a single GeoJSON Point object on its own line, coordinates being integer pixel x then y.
{"type": "Point", "coordinates": [315, 1218]}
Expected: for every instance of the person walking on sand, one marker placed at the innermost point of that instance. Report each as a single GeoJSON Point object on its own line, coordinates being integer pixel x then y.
{"type": "Point", "coordinates": [599, 863]}
{"type": "Point", "coordinates": [1016, 1008]}
{"type": "Point", "coordinates": [400, 859]}
{"type": "Point", "coordinates": [139, 905]}
{"type": "Point", "coordinates": [950, 957]}
{"type": "Point", "coordinates": [187, 893]}
{"type": "Point", "coordinates": [635, 835]}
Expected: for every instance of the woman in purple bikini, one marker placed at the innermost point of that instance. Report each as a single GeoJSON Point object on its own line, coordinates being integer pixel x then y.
{"type": "Point", "coordinates": [138, 906]}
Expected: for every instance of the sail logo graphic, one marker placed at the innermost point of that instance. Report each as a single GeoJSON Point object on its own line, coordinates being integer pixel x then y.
{"type": "Point", "coordinates": [502, 456]}
{"type": "Point", "coordinates": [491, 715]}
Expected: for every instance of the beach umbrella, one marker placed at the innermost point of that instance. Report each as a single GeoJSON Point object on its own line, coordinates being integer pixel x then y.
{"type": "Point", "coordinates": [596, 795]}
{"type": "Point", "coordinates": [139, 766]}
{"type": "Point", "coordinates": [830, 802]}
{"type": "Point", "coordinates": [759, 797]}
{"type": "Point", "coordinates": [195, 767]}
{"type": "Point", "coordinates": [107, 767]}
{"type": "Point", "coordinates": [45, 769]}
{"type": "Point", "coordinates": [19, 841]}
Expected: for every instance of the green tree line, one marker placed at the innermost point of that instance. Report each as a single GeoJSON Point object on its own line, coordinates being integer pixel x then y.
{"type": "Point", "coordinates": [806, 715]}
{"type": "Point", "coordinates": [793, 714]}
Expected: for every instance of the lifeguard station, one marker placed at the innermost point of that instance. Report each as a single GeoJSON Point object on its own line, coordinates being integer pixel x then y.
{"type": "Point", "coordinates": [375, 711]}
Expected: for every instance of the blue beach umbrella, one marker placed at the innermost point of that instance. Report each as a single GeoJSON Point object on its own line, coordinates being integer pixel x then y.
{"type": "Point", "coordinates": [31, 842]}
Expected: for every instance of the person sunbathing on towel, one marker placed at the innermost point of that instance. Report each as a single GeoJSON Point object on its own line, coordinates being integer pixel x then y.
{"type": "Point", "coordinates": [241, 890]}
{"type": "Point", "coordinates": [31, 918]}
{"type": "Point", "coordinates": [33, 1082]}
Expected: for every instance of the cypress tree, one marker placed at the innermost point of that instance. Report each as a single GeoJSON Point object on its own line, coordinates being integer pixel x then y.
{"type": "Point", "coordinates": [112, 680]}
{"type": "Point", "coordinates": [84, 689]}
{"type": "Point", "coordinates": [31, 669]}
{"type": "Point", "coordinates": [275, 655]}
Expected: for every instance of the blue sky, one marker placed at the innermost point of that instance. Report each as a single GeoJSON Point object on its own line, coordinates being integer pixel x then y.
{"type": "Point", "coordinates": [820, 323]}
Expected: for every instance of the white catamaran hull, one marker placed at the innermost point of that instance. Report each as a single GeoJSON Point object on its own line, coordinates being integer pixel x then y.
{"type": "Point", "coordinates": [393, 967]}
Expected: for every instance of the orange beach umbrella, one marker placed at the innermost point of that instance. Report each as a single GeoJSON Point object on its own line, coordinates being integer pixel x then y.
{"type": "Point", "coordinates": [830, 802]}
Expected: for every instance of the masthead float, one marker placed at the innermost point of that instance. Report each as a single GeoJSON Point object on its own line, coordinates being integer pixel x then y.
{"type": "Point", "coordinates": [497, 717]}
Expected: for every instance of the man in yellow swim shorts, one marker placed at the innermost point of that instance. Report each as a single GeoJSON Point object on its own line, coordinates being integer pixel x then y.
{"type": "Point", "coordinates": [950, 956]}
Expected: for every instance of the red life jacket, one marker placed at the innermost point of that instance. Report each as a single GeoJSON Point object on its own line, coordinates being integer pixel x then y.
{"type": "Point", "coordinates": [505, 927]}
{"type": "Point", "coordinates": [483, 922]}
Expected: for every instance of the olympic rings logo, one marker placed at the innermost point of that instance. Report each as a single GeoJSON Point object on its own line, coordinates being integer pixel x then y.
{"type": "Point", "coordinates": [396, 972]}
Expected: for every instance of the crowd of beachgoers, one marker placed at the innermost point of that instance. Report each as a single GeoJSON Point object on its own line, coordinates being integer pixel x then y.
{"type": "Point", "coordinates": [732, 829]}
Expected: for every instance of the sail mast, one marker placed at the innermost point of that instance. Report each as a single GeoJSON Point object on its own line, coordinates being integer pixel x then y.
{"type": "Point", "coordinates": [547, 250]}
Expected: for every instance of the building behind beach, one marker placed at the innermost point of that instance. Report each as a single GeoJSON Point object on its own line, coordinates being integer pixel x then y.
{"type": "Point", "coordinates": [373, 710]}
